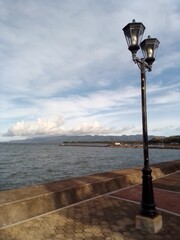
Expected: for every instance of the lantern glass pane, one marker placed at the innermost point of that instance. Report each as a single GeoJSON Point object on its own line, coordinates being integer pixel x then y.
{"type": "Point", "coordinates": [134, 36]}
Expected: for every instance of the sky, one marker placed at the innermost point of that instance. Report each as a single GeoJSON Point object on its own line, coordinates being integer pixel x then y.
{"type": "Point", "coordinates": [65, 68]}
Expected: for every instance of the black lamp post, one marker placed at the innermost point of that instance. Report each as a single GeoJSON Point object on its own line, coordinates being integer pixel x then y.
{"type": "Point", "coordinates": [133, 33]}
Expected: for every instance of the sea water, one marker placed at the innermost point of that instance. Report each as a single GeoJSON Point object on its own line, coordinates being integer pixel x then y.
{"type": "Point", "coordinates": [27, 164]}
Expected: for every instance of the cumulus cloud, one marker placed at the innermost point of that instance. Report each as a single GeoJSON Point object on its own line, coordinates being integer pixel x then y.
{"type": "Point", "coordinates": [54, 127]}
{"type": "Point", "coordinates": [38, 127]}
{"type": "Point", "coordinates": [92, 129]}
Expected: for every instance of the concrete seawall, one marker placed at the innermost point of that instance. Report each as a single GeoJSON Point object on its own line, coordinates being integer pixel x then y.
{"type": "Point", "coordinates": [20, 204]}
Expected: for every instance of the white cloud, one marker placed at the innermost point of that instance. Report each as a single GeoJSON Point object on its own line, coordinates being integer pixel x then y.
{"type": "Point", "coordinates": [167, 98]}
{"type": "Point", "coordinates": [91, 128]}
{"type": "Point", "coordinates": [39, 127]}
{"type": "Point", "coordinates": [56, 127]}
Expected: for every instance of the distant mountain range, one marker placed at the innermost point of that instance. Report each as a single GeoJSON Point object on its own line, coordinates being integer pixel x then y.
{"type": "Point", "coordinates": [85, 138]}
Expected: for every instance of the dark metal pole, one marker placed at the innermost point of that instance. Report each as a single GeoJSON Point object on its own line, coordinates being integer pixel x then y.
{"type": "Point", "coordinates": [148, 207]}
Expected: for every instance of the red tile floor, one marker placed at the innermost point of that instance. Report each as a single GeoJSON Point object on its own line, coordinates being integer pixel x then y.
{"type": "Point", "coordinates": [166, 193]}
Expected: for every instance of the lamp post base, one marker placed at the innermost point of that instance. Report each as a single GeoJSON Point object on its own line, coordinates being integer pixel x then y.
{"type": "Point", "coordinates": [152, 225]}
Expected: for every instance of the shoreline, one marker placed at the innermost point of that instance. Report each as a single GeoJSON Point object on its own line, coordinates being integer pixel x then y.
{"type": "Point", "coordinates": [164, 146]}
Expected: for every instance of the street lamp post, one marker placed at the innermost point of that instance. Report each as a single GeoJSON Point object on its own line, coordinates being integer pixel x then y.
{"type": "Point", "coordinates": [133, 33]}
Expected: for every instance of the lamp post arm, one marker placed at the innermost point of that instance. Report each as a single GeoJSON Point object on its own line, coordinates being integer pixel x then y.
{"type": "Point", "coordinates": [141, 62]}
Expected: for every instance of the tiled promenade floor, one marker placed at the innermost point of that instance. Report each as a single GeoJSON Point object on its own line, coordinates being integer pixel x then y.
{"type": "Point", "coordinates": [103, 218]}
{"type": "Point", "coordinates": [166, 193]}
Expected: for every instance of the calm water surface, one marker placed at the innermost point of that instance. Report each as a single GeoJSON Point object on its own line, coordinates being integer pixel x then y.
{"type": "Point", "coordinates": [26, 164]}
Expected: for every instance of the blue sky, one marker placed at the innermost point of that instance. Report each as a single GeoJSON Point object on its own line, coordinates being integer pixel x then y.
{"type": "Point", "coordinates": [65, 68]}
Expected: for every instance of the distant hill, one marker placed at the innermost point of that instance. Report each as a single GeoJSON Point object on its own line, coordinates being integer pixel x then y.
{"type": "Point", "coordinates": [86, 138]}
{"type": "Point", "coordinates": [165, 140]}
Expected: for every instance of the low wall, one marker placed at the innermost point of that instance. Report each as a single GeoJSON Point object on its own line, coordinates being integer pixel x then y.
{"type": "Point", "coordinates": [23, 203]}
